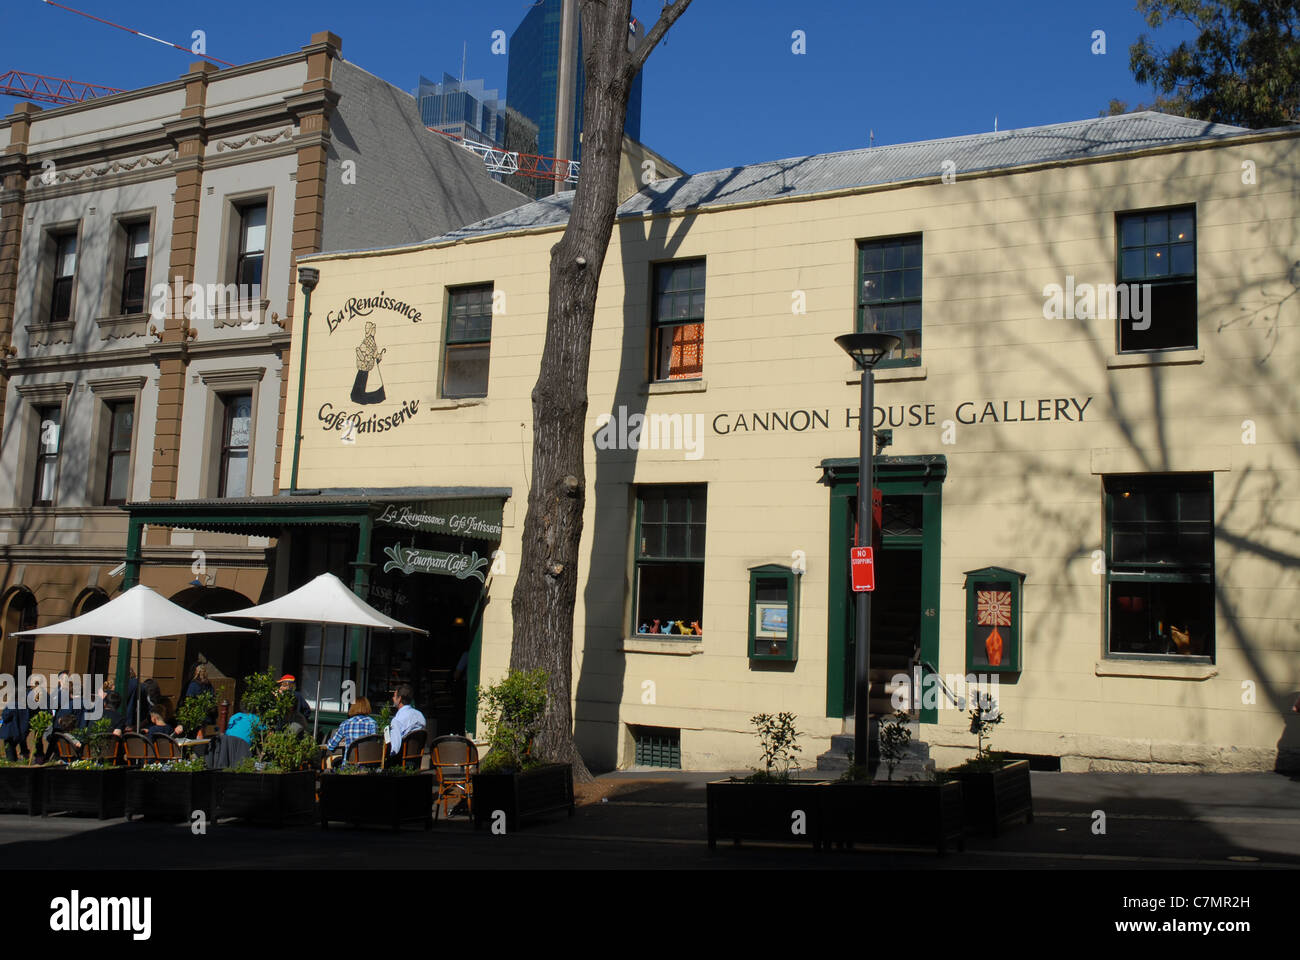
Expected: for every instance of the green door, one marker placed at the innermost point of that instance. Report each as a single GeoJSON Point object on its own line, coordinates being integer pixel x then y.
{"type": "Point", "coordinates": [905, 609]}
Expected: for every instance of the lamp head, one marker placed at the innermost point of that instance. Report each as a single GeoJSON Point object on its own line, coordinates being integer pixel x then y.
{"type": "Point", "coordinates": [308, 277]}
{"type": "Point", "coordinates": [868, 349]}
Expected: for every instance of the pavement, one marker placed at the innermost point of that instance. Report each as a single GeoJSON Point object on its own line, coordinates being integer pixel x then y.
{"type": "Point", "coordinates": [655, 819]}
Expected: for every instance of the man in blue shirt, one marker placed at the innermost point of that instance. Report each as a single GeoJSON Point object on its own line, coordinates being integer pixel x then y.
{"type": "Point", "coordinates": [406, 719]}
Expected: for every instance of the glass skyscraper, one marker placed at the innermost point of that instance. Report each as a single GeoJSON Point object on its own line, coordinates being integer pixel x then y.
{"type": "Point", "coordinates": [545, 80]}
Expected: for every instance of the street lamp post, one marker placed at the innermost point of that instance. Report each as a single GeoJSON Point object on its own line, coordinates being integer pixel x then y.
{"type": "Point", "coordinates": [866, 349]}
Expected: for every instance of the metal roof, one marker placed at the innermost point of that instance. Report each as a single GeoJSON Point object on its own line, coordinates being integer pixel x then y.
{"type": "Point", "coordinates": [873, 166]}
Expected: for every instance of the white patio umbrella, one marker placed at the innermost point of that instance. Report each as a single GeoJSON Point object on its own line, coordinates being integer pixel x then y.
{"type": "Point", "coordinates": [326, 601]}
{"type": "Point", "coordinates": [138, 614]}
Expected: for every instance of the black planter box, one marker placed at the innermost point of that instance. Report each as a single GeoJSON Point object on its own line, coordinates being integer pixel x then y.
{"type": "Point", "coordinates": [22, 790]}
{"type": "Point", "coordinates": [533, 793]}
{"type": "Point", "coordinates": [172, 797]}
{"type": "Point", "coordinates": [377, 798]}
{"type": "Point", "coordinates": [765, 811]}
{"type": "Point", "coordinates": [901, 813]}
{"type": "Point", "coordinates": [85, 793]}
{"type": "Point", "coordinates": [270, 798]}
{"type": "Point", "coordinates": [994, 798]}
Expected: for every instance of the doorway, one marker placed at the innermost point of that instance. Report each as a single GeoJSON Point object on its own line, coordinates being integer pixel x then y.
{"type": "Point", "coordinates": [905, 603]}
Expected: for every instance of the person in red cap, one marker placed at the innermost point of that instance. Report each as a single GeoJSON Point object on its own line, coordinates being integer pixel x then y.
{"type": "Point", "coordinates": [288, 682]}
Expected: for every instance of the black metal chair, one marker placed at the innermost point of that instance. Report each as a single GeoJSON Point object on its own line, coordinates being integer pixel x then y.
{"type": "Point", "coordinates": [412, 752]}
{"type": "Point", "coordinates": [455, 760]}
{"type": "Point", "coordinates": [136, 749]}
{"type": "Point", "coordinates": [366, 751]}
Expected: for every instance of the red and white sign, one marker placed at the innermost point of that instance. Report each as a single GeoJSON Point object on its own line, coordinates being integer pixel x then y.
{"type": "Point", "coordinates": [862, 568]}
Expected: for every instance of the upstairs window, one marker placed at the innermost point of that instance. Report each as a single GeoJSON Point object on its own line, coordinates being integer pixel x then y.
{"type": "Point", "coordinates": [48, 444]}
{"type": "Point", "coordinates": [1157, 255]}
{"type": "Point", "coordinates": [65, 272]}
{"type": "Point", "coordinates": [236, 444]}
{"type": "Point", "coordinates": [133, 272]}
{"type": "Point", "coordinates": [121, 423]}
{"type": "Point", "coordinates": [252, 245]}
{"type": "Point", "coordinates": [889, 294]}
{"type": "Point", "coordinates": [677, 320]}
{"type": "Point", "coordinates": [469, 342]}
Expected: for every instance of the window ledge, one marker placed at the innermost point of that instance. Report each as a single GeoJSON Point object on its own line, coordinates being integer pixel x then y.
{"type": "Point", "coordinates": [674, 386]}
{"type": "Point", "coordinates": [451, 403]}
{"type": "Point", "coordinates": [1156, 669]}
{"type": "Point", "coordinates": [890, 375]}
{"type": "Point", "coordinates": [1155, 358]}
{"type": "Point", "coordinates": [128, 325]}
{"type": "Point", "coordinates": [243, 313]}
{"type": "Point", "coordinates": [680, 647]}
{"type": "Point", "coordinates": [48, 334]}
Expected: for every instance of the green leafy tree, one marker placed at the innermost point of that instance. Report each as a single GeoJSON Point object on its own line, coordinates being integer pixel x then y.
{"type": "Point", "coordinates": [194, 712]}
{"type": "Point", "coordinates": [895, 735]}
{"type": "Point", "coordinates": [777, 740]}
{"type": "Point", "coordinates": [513, 710]}
{"type": "Point", "coordinates": [1243, 68]}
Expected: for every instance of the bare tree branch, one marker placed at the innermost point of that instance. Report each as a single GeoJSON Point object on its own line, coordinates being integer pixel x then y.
{"type": "Point", "coordinates": [666, 19]}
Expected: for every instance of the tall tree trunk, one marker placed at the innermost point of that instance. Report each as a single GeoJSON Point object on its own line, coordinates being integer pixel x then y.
{"type": "Point", "coordinates": [546, 591]}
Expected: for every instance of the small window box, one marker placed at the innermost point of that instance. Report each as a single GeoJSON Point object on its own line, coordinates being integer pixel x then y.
{"type": "Point", "coordinates": [773, 613]}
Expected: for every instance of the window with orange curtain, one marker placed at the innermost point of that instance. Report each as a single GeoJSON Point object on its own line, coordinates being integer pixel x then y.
{"type": "Point", "coordinates": [678, 320]}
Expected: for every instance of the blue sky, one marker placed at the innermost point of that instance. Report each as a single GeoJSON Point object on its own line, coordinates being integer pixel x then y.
{"type": "Point", "coordinates": [725, 89]}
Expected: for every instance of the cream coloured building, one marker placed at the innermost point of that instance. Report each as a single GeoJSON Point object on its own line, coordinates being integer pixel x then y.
{"type": "Point", "coordinates": [1110, 489]}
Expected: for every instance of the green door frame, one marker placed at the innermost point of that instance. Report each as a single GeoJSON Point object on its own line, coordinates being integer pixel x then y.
{"type": "Point", "coordinates": [919, 475]}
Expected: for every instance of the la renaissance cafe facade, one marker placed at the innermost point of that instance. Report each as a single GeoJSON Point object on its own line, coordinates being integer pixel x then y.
{"type": "Point", "coordinates": [1089, 456]}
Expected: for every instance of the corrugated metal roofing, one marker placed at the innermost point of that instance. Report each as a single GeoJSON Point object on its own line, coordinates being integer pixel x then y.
{"type": "Point", "coordinates": [872, 166]}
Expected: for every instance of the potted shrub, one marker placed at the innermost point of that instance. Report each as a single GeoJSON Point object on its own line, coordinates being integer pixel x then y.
{"type": "Point", "coordinates": [859, 809]}
{"type": "Point", "coordinates": [277, 781]}
{"type": "Point", "coordinates": [510, 778]}
{"type": "Point", "coordinates": [769, 804]}
{"type": "Point", "coordinates": [169, 791]}
{"type": "Point", "coordinates": [22, 788]}
{"type": "Point", "coordinates": [384, 797]}
{"type": "Point", "coordinates": [90, 787]}
{"type": "Point", "coordinates": [995, 789]}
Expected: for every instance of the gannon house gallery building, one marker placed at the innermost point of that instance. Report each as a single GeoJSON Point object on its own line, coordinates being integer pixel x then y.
{"type": "Point", "coordinates": [1089, 470]}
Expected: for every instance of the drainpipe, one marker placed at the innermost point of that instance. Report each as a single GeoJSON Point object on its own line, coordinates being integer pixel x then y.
{"type": "Point", "coordinates": [308, 277]}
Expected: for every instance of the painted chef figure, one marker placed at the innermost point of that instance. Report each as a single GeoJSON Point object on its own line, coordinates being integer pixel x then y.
{"type": "Point", "coordinates": [369, 385]}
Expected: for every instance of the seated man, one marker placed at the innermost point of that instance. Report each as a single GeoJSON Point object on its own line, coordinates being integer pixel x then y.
{"type": "Point", "coordinates": [158, 725]}
{"type": "Point", "coordinates": [358, 724]}
{"type": "Point", "coordinates": [289, 683]}
{"type": "Point", "coordinates": [405, 720]}
{"type": "Point", "coordinates": [243, 724]}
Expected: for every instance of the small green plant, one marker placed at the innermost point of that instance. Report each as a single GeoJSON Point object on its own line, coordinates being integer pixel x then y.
{"type": "Point", "coordinates": [386, 717]}
{"type": "Point", "coordinates": [193, 765]}
{"type": "Point", "coordinates": [41, 722]}
{"type": "Point", "coordinates": [273, 707]}
{"type": "Point", "coordinates": [513, 709]}
{"type": "Point", "coordinates": [94, 735]}
{"type": "Point", "coordinates": [194, 712]}
{"type": "Point", "coordinates": [984, 716]}
{"type": "Point", "coordinates": [88, 765]}
{"type": "Point", "coordinates": [290, 751]}
{"type": "Point", "coordinates": [895, 735]}
{"type": "Point", "coordinates": [777, 738]}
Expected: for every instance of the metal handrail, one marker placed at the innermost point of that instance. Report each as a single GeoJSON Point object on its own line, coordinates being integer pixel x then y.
{"type": "Point", "coordinates": [958, 702]}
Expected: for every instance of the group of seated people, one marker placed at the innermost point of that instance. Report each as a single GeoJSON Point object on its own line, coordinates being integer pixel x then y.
{"type": "Point", "coordinates": [360, 724]}
{"type": "Point", "coordinates": [71, 714]}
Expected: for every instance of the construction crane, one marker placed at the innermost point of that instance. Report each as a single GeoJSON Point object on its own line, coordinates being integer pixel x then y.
{"type": "Point", "coordinates": [521, 164]}
{"type": "Point", "coordinates": [57, 90]}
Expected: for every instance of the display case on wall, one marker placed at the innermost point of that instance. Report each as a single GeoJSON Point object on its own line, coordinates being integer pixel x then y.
{"type": "Point", "coordinates": [993, 617]}
{"type": "Point", "coordinates": [773, 613]}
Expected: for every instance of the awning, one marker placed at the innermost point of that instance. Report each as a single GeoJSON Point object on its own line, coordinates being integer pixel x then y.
{"type": "Point", "coordinates": [471, 512]}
